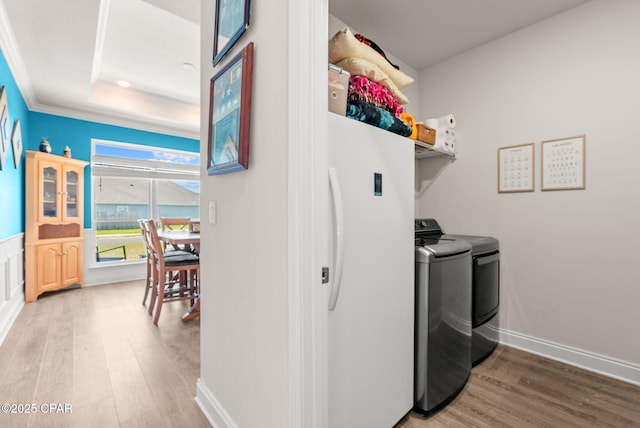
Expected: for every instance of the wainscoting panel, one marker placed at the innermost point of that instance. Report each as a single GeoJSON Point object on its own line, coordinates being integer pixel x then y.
{"type": "Point", "coordinates": [11, 281]}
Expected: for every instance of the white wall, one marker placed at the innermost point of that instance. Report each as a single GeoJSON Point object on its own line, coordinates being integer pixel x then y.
{"type": "Point", "coordinates": [569, 258]}
{"type": "Point", "coordinates": [244, 330]}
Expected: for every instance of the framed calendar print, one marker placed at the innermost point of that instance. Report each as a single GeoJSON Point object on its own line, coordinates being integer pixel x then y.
{"type": "Point", "coordinates": [515, 168]}
{"type": "Point", "coordinates": [563, 163]}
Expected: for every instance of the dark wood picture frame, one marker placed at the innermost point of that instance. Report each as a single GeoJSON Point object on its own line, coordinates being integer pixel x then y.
{"type": "Point", "coordinates": [232, 20]}
{"type": "Point", "coordinates": [230, 115]}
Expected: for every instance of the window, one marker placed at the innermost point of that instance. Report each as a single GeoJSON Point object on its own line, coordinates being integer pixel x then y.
{"type": "Point", "coordinates": [130, 182]}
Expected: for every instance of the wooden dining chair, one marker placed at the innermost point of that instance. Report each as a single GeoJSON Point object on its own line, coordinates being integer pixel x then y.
{"type": "Point", "coordinates": [144, 229]}
{"type": "Point", "coordinates": [175, 223]}
{"type": "Point", "coordinates": [145, 238]}
{"type": "Point", "coordinates": [175, 277]}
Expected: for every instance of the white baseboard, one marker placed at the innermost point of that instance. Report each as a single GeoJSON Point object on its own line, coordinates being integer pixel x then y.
{"type": "Point", "coordinates": [576, 357]}
{"type": "Point", "coordinates": [212, 409]}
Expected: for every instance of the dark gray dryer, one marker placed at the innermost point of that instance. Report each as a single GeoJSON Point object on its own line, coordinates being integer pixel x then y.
{"type": "Point", "coordinates": [485, 254]}
{"type": "Point", "coordinates": [443, 319]}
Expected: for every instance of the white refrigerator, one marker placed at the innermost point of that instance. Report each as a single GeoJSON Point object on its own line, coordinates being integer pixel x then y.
{"type": "Point", "coordinates": [371, 277]}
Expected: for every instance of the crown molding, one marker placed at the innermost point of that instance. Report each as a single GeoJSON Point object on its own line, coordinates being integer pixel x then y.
{"type": "Point", "coordinates": [100, 35]}
{"type": "Point", "coordinates": [106, 118]}
{"type": "Point", "coordinates": [10, 50]}
{"type": "Point", "coordinates": [14, 59]}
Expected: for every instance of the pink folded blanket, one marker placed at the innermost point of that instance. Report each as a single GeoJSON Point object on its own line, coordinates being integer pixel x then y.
{"type": "Point", "coordinates": [368, 91]}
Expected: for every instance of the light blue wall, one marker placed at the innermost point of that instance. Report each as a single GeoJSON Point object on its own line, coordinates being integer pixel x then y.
{"type": "Point", "coordinates": [12, 178]}
{"type": "Point", "coordinates": [77, 134]}
{"type": "Point", "coordinates": [60, 131]}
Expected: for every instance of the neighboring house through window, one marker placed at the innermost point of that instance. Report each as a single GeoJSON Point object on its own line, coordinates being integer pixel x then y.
{"type": "Point", "coordinates": [131, 182]}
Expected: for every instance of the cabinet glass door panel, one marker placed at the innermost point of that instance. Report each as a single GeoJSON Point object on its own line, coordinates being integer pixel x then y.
{"type": "Point", "coordinates": [71, 194]}
{"type": "Point", "coordinates": [50, 192]}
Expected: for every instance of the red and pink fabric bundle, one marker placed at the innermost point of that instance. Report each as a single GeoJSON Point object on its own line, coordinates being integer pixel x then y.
{"type": "Point", "coordinates": [368, 91]}
{"type": "Point", "coordinates": [375, 83]}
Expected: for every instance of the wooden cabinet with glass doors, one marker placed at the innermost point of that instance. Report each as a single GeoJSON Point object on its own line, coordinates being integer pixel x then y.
{"type": "Point", "coordinates": [54, 229]}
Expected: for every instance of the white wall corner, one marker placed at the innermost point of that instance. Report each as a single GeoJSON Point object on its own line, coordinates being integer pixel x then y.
{"type": "Point", "coordinates": [308, 24]}
{"type": "Point", "coordinates": [211, 407]}
{"type": "Point", "coordinates": [576, 357]}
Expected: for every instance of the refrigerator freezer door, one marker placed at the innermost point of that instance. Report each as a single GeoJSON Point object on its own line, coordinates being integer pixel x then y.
{"type": "Point", "coordinates": [371, 327]}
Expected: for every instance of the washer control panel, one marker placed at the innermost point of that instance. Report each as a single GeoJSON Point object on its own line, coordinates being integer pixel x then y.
{"type": "Point", "coordinates": [427, 225]}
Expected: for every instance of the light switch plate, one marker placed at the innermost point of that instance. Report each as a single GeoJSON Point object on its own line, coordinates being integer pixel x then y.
{"type": "Point", "coordinates": [213, 212]}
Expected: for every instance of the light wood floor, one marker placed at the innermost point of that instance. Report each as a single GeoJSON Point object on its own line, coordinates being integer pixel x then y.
{"type": "Point", "coordinates": [97, 349]}
{"type": "Point", "coordinates": [512, 388]}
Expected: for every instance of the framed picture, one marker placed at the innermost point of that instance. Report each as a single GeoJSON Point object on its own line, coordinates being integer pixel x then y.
{"type": "Point", "coordinates": [563, 163]}
{"type": "Point", "coordinates": [232, 20]}
{"type": "Point", "coordinates": [4, 127]}
{"type": "Point", "coordinates": [230, 115]}
{"type": "Point", "coordinates": [16, 142]}
{"type": "Point", "coordinates": [515, 168]}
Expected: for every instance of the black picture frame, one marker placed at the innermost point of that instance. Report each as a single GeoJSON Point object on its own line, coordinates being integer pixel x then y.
{"type": "Point", "coordinates": [232, 20]}
{"type": "Point", "coordinates": [230, 115]}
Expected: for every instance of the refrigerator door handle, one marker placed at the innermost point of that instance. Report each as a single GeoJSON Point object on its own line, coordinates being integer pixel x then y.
{"type": "Point", "coordinates": [338, 261]}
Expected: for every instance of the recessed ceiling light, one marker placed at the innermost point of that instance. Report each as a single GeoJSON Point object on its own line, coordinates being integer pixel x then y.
{"type": "Point", "coordinates": [124, 83]}
{"type": "Point", "coordinates": [188, 66]}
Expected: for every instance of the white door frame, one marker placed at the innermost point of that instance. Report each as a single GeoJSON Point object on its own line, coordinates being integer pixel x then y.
{"type": "Point", "coordinates": [307, 194]}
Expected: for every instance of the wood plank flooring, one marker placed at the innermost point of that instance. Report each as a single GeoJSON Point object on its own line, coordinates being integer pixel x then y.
{"type": "Point", "coordinates": [97, 350]}
{"type": "Point", "coordinates": [513, 388]}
